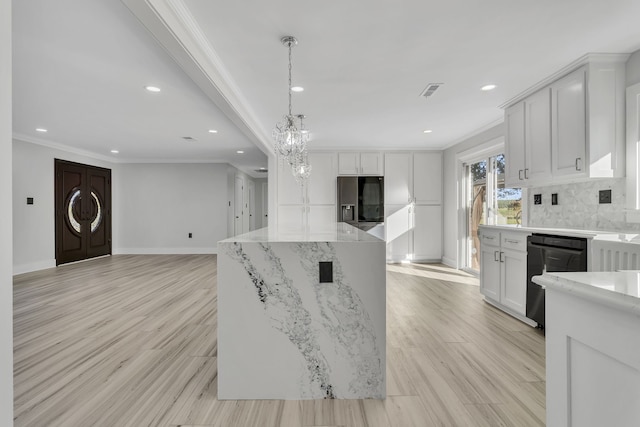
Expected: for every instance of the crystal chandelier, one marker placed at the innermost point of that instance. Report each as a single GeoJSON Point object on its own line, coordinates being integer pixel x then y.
{"type": "Point", "coordinates": [290, 135]}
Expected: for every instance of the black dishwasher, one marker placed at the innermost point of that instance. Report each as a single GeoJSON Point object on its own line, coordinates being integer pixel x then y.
{"type": "Point", "coordinates": [548, 253]}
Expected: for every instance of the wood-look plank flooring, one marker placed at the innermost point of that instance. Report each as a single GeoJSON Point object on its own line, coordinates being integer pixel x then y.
{"type": "Point", "coordinates": [130, 340]}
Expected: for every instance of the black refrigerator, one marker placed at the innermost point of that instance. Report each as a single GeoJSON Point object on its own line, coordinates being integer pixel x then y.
{"type": "Point", "coordinates": [361, 201]}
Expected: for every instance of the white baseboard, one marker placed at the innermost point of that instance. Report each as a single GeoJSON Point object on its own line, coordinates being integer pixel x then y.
{"type": "Point", "coordinates": [33, 266]}
{"type": "Point", "coordinates": [450, 262]}
{"type": "Point", "coordinates": [164, 251]}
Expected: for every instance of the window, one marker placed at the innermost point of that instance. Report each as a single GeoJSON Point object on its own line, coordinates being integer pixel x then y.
{"type": "Point", "coordinates": [488, 201]}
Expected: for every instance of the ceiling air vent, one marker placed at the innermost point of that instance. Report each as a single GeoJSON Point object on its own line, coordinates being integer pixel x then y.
{"type": "Point", "coordinates": [430, 89]}
{"type": "Point", "coordinates": [189, 138]}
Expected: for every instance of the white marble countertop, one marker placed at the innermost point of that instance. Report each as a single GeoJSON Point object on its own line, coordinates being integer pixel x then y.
{"type": "Point", "coordinates": [335, 232]}
{"type": "Point", "coordinates": [620, 289]}
{"type": "Point", "coordinates": [611, 236]}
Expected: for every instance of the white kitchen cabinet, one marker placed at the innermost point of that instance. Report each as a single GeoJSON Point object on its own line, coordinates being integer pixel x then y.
{"type": "Point", "coordinates": [321, 188]}
{"type": "Point", "coordinates": [427, 178]}
{"type": "Point", "coordinates": [398, 228]}
{"type": "Point", "coordinates": [413, 206]}
{"type": "Point", "coordinates": [515, 144]}
{"type": "Point", "coordinates": [569, 139]}
{"type": "Point", "coordinates": [367, 163]}
{"type": "Point", "coordinates": [427, 232]}
{"type": "Point", "coordinates": [290, 192]}
{"type": "Point", "coordinates": [503, 270]}
{"type": "Point", "coordinates": [313, 202]}
{"type": "Point", "coordinates": [528, 145]}
{"type": "Point", "coordinates": [291, 216]}
{"type": "Point", "coordinates": [413, 177]}
{"type": "Point", "coordinates": [398, 185]}
{"type": "Point", "coordinates": [582, 122]}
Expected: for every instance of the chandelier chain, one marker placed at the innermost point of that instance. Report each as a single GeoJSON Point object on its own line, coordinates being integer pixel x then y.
{"type": "Point", "coordinates": [290, 43]}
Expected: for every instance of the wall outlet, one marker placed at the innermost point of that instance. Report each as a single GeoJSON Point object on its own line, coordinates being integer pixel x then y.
{"type": "Point", "coordinates": [326, 271]}
{"type": "Point", "coordinates": [537, 199]}
{"type": "Point", "coordinates": [554, 199]}
{"type": "Point", "coordinates": [190, 235]}
{"type": "Point", "coordinates": [30, 200]}
{"type": "Point", "coordinates": [604, 196]}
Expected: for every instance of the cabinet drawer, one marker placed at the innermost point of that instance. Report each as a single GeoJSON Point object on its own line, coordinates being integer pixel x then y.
{"type": "Point", "coordinates": [515, 241]}
{"type": "Point", "coordinates": [490, 237]}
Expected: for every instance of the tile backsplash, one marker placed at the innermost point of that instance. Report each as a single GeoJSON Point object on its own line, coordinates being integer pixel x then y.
{"type": "Point", "coordinates": [578, 206]}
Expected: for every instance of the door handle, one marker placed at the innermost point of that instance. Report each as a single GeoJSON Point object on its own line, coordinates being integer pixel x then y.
{"type": "Point", "coordinates": [526, 173]}
{"type": "Point", "coordinates": [578, 160]}
{"type": "Point", "coordinates": [501, 258]}
{"type": "Point", "coordinates": [495, 256]}
{"type": "Point", "coordinates": [520, 174]}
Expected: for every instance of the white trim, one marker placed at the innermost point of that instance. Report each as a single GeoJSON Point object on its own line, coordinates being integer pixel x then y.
{"type": "Point", "coordinates": [583, 60]}
{"type": "Point", "coordinates": [481, 151]}
{"type": "Point", "coordinates": [450, 262]}
{"type": "Point", "coordinates": [33, 266]}
{"type": "Point", "coordinates": [174, 27]}
{"type": "Point", "coordinates": [62, 147]}
{"type": "Point", "coordinates": [165, 251]}
{"type": "Point", "coordinates": [633, 153]}
{"type": "Point", "coordinates": [475, 132]}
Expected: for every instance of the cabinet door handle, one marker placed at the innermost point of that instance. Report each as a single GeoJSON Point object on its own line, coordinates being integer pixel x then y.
{"type": "Point", "coordinates": [488, 237]}
{"type": "Point", "coordinates": [501, 257]}
{"type": "Point", "coordinates": [495, 255]}
{"type": "Point", "coordinates": [512, 241]}
{"type": "Point", "coordinates": [578, 160]}
{"type": "Point", "coordinates": [520, 174]}
{"type": "Point", "coordinates": [526, 173]}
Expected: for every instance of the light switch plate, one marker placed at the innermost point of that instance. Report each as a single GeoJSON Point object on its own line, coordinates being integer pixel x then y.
{"type": "Point", "coordinates": [554, 199]}
{"type": "Point", "coordinates": [537, 199]}
{"type": "Point", "coordinates": [604, 196]}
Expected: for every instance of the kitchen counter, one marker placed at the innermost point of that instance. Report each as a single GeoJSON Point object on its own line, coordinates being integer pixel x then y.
{"type": "Point", "coordinates": [592, 348]}
{"type": "Point", "coordinates": [611, 236]}
{"type": "Point", "coordinates": [620, 290]}
{"type": "Point", "coordinates": [301, 314]}
{"type": "Point", "coordinates": [334, 232]}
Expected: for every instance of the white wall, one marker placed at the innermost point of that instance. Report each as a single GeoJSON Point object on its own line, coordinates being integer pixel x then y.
{"type": "Point", "coordinates": [259, 212]}
{"type": "Point", "coordinates": [34, 225]}
{"type": "Point", "coordinates": [6, 280]}
{"type": "Point", "coordinates": [158, 205]}
{"type": "Point", "coordinates": [633, 69]}
{"type": "Point", "coordinates": [451, 203]}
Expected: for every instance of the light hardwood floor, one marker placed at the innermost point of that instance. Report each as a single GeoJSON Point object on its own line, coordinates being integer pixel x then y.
{"type": "Point", "coordinates": [131, 341]}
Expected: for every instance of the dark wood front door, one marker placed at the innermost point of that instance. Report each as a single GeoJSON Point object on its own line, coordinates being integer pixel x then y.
{"type": "Point", "coordinates": [83, 211]}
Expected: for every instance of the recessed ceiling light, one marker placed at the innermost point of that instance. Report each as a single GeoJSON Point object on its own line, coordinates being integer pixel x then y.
{"type": "Point", "coordinates": [213, 131]}
{"type": "Point", "coordinates": [240, 152]}
{"type": "Point", "coordinates": [427, 131]}
{"type": "Point", "coordinates": [40, 130]}
{"type": "Point", "coordinates": [115, 151]}
{"type": "Point", "coordinates": [152, 88]}
{"type": "Point", "coordinates": [488, 87]}
{"type": "Point", "coordinates": [297, 89]}
{"type": "Point", "coordinates": [263, 169]}
{"type": "Point", "coordinates": [304, 131]}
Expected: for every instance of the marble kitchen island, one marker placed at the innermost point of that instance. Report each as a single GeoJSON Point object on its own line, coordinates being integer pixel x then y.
{"type": "Point", "coordinates": [592, 348]}
{"type": "Point", "coordinates": [286, 331]}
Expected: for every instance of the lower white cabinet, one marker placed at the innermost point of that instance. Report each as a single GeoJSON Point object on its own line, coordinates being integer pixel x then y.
{"type": "Point", "coordinates": [413, 232]}
{"type": "Point", "coordinates": [503, 270]}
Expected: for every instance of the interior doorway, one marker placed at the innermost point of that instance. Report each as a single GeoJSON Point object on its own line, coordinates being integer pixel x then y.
{"type": "Point", "coordinates": [238, 223]}
{"type": "Point", "coordinates": [82, 211]}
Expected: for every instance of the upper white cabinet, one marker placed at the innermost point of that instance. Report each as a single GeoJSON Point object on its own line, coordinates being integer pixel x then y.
{"type": "Point", "coordinates": [569, 120]}
{"type": "Point", "coordinates": [571, 128]}
{"type": "Point", "coordinates": [528, 128]}
{"type": "Point", "coordinates": [427, 178]}
{"type": "Point", "coordinates": [322, 181]}
{"type": "Point", "coordinates": [413, 178]}
{"type": "Point", "coordinates": [398, 183]}
{"type": "Point", "coordinates": [367, 163]}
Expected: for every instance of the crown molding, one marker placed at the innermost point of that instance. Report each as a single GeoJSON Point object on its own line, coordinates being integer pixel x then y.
{"type": "Point", "coordinates": [175, 28]}
{"type": "Point", "coordinates": [64, 147]}
{"type": "Point", "coordinates": [474, 133]}
{"type": "Point", "coordinates": [583, 60]}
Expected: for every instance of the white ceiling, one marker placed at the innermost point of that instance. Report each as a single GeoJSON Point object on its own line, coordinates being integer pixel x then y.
{"type": "Point", "coordinates": [79, 69]}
